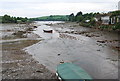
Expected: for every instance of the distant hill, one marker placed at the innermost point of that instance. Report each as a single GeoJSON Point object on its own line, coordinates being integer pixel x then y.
{"type": "Point", "coordinates": [51, 18]}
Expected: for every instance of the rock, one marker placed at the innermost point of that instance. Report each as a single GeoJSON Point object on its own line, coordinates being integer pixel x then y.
{"type": "Point", "coordinates": [101, 41]}
{"type": "Point", "coordinates": [66, 31]}
{"type": "Point", "coordinates": [88, 35]}
{"type": "Point", "coordinates": [98, 50]}
{"type": "Point", "coordinates": [35, 26]}
{"type": "Point", "coordinates": [72, 31]}
{"type": "Point", "coordinates": [39, 71]}
{"type": "Point", "coordinates": [62, 62]}
{"type": "Point", "coordinates": [114, 60]}
{"type": "Point", "coordinates": [59, 54]}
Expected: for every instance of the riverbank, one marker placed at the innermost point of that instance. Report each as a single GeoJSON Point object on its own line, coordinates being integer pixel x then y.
{"type": "Point", "coordinates": [109, 38]}
{"type": "Point", "coordinates": [88, 48]}
{"type": "Point", "coordinates": [16, 63]}
{"type": "Point", "coordinates": [105, 40]}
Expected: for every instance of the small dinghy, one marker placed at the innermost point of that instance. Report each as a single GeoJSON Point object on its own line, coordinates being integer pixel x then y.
{"type": "Point", "coordinates": [71, 72]}
{"type": "Point", "coordinates": [48, 31]}
{"type": "Point", "coordinates": [35, 26]}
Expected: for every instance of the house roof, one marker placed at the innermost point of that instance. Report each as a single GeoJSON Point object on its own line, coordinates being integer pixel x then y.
{"type": "Point", "coordinates": [102, 15]}
{"type": "Point", "coordinates": [111, 13]}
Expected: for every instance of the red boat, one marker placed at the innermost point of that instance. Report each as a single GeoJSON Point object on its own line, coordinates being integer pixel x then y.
{"type": "Point", "coordinates": [48, 31]}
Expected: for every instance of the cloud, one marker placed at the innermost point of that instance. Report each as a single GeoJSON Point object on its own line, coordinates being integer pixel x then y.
{"type": "Point", "coordinates": [36, 8]}
{"type": "Point", "coordinates": [59, 1]}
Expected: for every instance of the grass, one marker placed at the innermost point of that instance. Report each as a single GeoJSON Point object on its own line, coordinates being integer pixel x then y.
{"type": "Point", "coordinates": [20, 34]}
{"type": "Point", "coordinates": [51, 18]}
{"type": "Point", "coordinates": [111, 27]}
{"type": "Point", "coordinates": [17, 45]}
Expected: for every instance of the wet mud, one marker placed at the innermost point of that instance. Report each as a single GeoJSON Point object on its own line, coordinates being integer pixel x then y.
{"type": "Point", "coordinates": [16, 63]}
{"type": "Point", "coordinates": [92, 49]}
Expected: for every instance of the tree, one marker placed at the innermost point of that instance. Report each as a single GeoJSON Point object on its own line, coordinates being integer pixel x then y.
{"type": "Point", "coordinates": [6, 19]}
{"type": "Point", "coordinates": [9, 19]}
{"type": "Point", "coordinates": [79, 18]}
{"type": "Point", "coordinates": [71, 17]}
{"type": "Point", "coordinates": [92, 22]}
{"type": "Point", "coordinates": [15, 19]}
{"type": "Point", "coordinates": [23, 19]}
{"type": "Point", "coordinates": [79, 14]}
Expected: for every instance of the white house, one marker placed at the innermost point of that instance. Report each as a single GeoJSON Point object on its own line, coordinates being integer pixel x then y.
{"type": "Point", "coordinates": [105, 19]}
{"type": "Point", "coordinates": [115, 19]}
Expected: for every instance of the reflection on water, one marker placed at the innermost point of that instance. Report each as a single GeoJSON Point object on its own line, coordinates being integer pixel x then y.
{"type": "Point", "coordinates": [48, 22]}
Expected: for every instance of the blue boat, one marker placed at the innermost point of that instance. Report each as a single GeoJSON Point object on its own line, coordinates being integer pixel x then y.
{"type": "Point", "coordinates": [71, 72]}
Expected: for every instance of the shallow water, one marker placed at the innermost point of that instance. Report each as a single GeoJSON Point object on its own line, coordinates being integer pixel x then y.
{"type": "Point", "coordinates": [81, 51]}
{"type": "Point", "coordinates": [44, 35]}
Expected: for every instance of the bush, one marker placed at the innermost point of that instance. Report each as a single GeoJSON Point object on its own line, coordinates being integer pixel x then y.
{"type": "Point", "coordinates": [9, 19]}
{"type": "Point", "coordinates": [85, 24]}
{"type": "Point", "coordinates": [92, 22]}
{"type": "Point", "coordinates": [113, 27]}
{"type": "Point", "coordinates": [104, 26]}
{"type": "Point", "coordinates": [117, 26]}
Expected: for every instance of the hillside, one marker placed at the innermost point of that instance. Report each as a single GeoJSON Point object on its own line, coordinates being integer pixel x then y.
{"type": "Point", "coordinates": [51, 18]}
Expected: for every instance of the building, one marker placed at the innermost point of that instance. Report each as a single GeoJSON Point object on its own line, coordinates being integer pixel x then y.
{"type": "Point", "coordinates": [102, 18]}
{"type": "Point", "coordinates": [115, 19]}
{"type": "Point", "coordinates": [105, 19]}
{"type": "Point", "coordinates": [112, 17]}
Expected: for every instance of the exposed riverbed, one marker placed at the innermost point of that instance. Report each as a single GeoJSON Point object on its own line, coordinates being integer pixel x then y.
{"type": "Point", "coordinates": [16, 63]}
{"type": "Point", "coordinates": [94, 50]}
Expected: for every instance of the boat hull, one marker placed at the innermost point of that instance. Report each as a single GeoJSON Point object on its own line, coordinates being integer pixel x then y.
{"type": "Point", "coordinates": [71, 72]}
{"type": "Point", "coordinates": [48, 31]}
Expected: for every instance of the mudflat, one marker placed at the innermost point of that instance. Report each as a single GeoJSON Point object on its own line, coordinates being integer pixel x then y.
{"type": "Point", "coordinates": [33, 54]}
{"type": "Point", "coordinates": [16, 63]}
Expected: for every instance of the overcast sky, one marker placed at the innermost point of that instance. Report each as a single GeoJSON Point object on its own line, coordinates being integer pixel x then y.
{"type": "Point", "coordinates": [37, 8]}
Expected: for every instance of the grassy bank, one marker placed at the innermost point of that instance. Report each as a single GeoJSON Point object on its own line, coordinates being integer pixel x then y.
{"type": "Point", "coordinates": [114, 27]}
{"type": "Point", "coordinates": [17, 64]}
{"type": "Point", "coordinates": [51, 18]}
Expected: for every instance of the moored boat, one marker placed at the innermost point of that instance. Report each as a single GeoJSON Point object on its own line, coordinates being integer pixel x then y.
{"type": "Point", "coordinates": [71, 72]}
{"type": "Point", "coordinates": [48, 31]}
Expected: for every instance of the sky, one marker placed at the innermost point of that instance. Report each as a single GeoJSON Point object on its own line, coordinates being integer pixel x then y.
{"type": "Point", "coordinates": [38, 8]}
